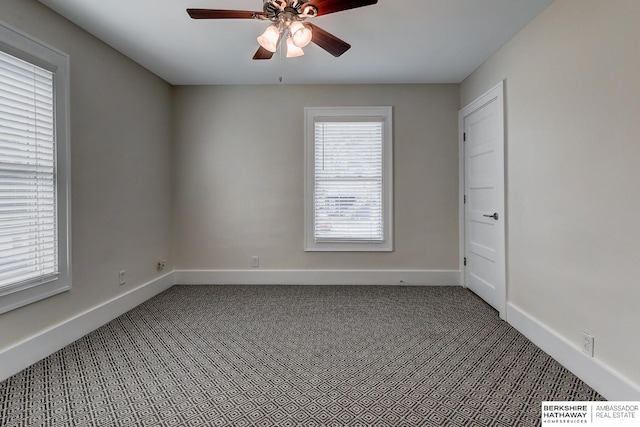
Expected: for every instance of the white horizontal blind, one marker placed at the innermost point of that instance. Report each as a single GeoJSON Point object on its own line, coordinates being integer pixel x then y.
{"type": "Point", "coordinates": [348, 193]}
{"type": "Point", "coordinates": [28, 226]}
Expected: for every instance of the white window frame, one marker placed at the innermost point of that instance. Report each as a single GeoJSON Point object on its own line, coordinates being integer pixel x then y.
{"type": "Point", "coordinates": [322, 114]}
{"type": "Point", "coordinates": [25, 47]}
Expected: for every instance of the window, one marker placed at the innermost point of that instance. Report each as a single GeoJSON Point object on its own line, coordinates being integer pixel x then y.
{"type": "Point", "coordinates": [34, 173]}
{"type": "Point", "coordinates": [348, 172]}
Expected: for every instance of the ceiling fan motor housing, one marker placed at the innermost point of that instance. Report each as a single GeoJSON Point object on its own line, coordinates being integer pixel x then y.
{"type": "Point", "coordinates": [291, 9]}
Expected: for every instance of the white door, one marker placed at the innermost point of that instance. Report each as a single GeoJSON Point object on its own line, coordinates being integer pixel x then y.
{"type": "Point", "coordinates": [484, 214]}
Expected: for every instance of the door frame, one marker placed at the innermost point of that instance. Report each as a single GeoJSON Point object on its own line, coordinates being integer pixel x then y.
{"type": "Point", "coordinates": [493, 94]}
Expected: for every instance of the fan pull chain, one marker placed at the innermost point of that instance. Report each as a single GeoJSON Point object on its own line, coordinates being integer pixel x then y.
{"type": "Point", "coordinates": [280, 57]}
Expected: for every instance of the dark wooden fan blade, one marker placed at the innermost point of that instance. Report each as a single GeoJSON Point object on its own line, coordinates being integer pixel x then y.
{"type": "Point", "coordinates": [262, 53]}
{"type": "Point", "coordinates": [331, 6]}
{"type": "Point", "coordinates": [327, 41]}
{"type": "Point", "coordinates": [222, 14]}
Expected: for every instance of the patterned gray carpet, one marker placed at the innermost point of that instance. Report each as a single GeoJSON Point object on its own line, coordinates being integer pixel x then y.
{"type": "Point", "coordinates": [295, 356]}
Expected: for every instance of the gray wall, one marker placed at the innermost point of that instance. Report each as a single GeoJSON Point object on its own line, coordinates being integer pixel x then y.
{"type": "Point", "coordinates": [120, 159]}
{"type": "Point", "coordinates": [572, 103]}
{"type": "Point", "coordinates": [239, 175]}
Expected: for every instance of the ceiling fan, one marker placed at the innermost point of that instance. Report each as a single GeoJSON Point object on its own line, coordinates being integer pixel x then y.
{"type": "Point", "coordinates": [288, 22]}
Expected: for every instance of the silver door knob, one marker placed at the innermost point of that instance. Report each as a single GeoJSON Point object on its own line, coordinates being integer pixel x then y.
{"type": "Point", "coordinates": [494, 216]}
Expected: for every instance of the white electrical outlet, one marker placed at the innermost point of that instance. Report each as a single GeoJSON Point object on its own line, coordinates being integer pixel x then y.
{"type": "Point", "coordinates": [162, 264]}
{"type": "Point", "coordinates": [122, 277]}
{"type": "Point", "coordinates": [255, 261]}
{"type": "Point", "coordinates": [587, 344]}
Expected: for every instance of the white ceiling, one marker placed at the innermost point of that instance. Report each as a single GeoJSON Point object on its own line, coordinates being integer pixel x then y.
{"type": "Point", "coordinates": [394, 41]}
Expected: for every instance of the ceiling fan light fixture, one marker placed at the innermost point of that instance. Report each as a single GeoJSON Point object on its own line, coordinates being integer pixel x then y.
{"type": "Point", "coordinates": [269, 39]}
{"type": "Point", "coordinates": [293, 50]}
{"type": "Point", "coordinates": [300, 33]}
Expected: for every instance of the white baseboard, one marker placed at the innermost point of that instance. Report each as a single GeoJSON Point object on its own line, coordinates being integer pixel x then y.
{"type": "Point", "coordinates": [26, 353]}
{"type": "Point", "coordinates": [319, 277]}
{"type": "Point", "coordinates": [600, 377]}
